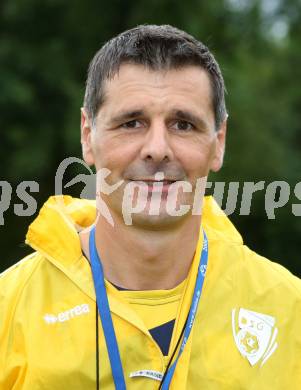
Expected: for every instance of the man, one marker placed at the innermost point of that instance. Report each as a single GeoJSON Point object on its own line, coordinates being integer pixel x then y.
{"type": "Point", "coordinates": [169, 298]}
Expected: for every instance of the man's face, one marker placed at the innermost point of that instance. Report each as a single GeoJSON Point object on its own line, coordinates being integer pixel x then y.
{"type": "Point", "coordinates": [150, 122]}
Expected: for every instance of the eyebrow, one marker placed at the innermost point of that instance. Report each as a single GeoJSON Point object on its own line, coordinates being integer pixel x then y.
{"type": "Point", "coordinates": [127, 116]}
{"type": "Point", "coordinates": [180, 114]}
{"type": "Point", "coordinates": [190, 117]}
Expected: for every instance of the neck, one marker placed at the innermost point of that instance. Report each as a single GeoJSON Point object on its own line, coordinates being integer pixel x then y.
{"type": "Point", "coordinates": [139, 259]}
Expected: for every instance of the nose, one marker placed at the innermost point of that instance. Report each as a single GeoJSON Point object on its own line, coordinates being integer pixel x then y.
{"type": "Point", "coordinates": [156, 146]}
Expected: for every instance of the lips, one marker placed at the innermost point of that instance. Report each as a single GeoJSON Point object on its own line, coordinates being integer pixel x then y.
{"type": "Point", "coordinates": [158, 186]}
{"type": "Point", "coordinates": [165, 182]}
{"type": "Point", "coordinates": [151, 181]}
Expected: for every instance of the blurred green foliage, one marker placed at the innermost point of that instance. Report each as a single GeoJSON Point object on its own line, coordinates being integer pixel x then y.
{"type": "Point", "coordinates": [45, 50]}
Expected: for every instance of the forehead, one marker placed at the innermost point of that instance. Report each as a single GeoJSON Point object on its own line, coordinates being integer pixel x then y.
{"type": "Point", "coordinates": [186, 88]}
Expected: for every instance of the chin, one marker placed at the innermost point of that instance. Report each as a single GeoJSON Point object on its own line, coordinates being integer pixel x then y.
{"type": "Point", "coordinates": [163, 221]}
{"type": "Point", "coordinates": [152, 215]}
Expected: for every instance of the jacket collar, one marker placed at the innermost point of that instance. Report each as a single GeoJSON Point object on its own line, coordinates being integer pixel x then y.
{"type": "Point", "coordinates": [54, 233]}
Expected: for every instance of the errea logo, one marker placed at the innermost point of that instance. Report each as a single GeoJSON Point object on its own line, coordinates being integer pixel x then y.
{"type": "Point", "coordinates": [67, 315]}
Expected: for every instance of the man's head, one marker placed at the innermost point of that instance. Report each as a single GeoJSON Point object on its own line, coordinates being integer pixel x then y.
{"type": "Point", "coordinates": [157, 48]}
{"type": "Point", "coordinates": [154, 103]}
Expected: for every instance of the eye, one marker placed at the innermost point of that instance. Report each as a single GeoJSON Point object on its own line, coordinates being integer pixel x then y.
{"type": "Point", "coordinates": [134, 124]}
{"type": "Point", "coordinates": [183, 126]}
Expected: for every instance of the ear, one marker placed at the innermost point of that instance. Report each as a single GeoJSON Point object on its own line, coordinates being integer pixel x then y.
{"type": "Point", "coordinates": [220, 143]}
{"type": "Point", "coordinates": [86, 137]}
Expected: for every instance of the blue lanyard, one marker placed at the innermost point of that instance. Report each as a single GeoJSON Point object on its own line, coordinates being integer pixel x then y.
{"type": "Point", "coordinates": [106, 319]}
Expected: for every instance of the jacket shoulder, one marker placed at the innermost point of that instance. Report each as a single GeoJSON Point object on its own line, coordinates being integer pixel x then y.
{"type": "Point", "coordinates": [271, 274]}
{"type": "Point", "coordinates": [14, 279]}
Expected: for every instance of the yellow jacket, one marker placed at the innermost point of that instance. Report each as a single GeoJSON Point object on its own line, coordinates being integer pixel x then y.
{"type": "Point", "coordinates": [247, 332]}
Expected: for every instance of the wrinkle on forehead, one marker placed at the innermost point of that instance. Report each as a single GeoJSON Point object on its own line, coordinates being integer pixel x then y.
{"type": "Point", "coordinates": [137, 85]}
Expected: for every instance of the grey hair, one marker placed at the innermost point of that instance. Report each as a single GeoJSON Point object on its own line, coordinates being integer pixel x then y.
{"type": "Point", "coordinates": [158, 48]}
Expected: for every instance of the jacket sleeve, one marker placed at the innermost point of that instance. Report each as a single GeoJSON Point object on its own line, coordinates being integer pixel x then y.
{"type": "Point", "coordinates": [12, 350]}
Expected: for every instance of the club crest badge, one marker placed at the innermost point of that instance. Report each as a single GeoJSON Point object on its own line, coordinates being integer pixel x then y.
{"type": "Point", "coordinates": [254, 335]}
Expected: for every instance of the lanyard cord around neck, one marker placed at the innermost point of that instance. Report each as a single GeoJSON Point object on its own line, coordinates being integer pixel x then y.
{"type": "Point", "coordinates": [97, 346]}
{"type": "Point", "coordinates": [173, 354]}
{"type": "Point", "coordinates": [107, 323]}
{"type": "Point", "coordinates": [105, 315]}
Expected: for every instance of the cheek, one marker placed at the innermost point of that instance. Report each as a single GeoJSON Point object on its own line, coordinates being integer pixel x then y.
{"type": "Point", "coordinates": [115, 156]}
{"type": "Point", "coordinates": [196, 160]}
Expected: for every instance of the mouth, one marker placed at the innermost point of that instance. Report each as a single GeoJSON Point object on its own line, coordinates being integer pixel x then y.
{"type": "Point", "coordinates": [157, 185]}
{"type": "Point", "coordinates": [165, 180]}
